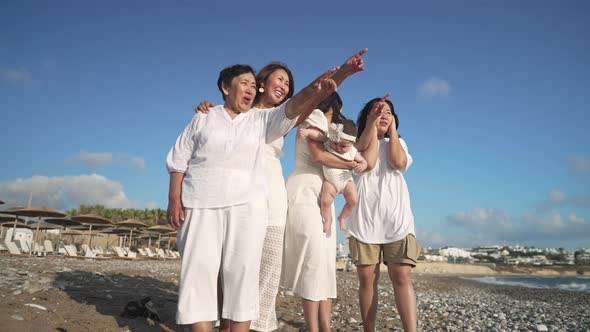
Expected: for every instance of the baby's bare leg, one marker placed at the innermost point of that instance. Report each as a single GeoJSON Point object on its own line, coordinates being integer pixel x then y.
{"type": "Point", "coordinates": [326, 200]}
{"type": "Point", "coordinates": [351, 198]}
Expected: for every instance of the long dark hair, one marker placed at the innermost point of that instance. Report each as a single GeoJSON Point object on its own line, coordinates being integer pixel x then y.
{"type": "Point", "coordinates": [335, 102]}
{"type": "Point", "coordinates": [361, 121]}
{"type": "Point", "coordinates": [266, 71]}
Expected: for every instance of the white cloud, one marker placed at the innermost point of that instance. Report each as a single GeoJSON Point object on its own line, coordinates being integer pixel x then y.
{"type": "Point", "coordinates": [481, 218]}
{"type": "Point", "coordinates": [434, 87]}
{"type": "Point", "coordinates": [486, 225]}
{"type": "Point", "coordinates": [558, 198]}
{"type": "Point", "coordinates": [65, 192]}
{"type": "Point", "coordinates": [432, 239]}
{"type": "Point", "coordinates": [92, 159]}
{"type": "Point", "coordinates": [14, 75]}
{"type": "Point", "coordinates": [580, 165]}
{"type": "Point", "coordinates": [136, 162]}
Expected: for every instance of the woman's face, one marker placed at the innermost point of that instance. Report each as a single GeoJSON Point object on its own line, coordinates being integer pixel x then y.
{"type": "Point", "coordinates": [276, 87]}
{"type": "Point", "coordinates": [385, 120]}
{"type": "Point", "coordinates": [240, 94]}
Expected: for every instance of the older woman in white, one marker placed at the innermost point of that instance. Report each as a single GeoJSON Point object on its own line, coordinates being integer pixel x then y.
{"type": "Point", "coordinates": [218, 193]}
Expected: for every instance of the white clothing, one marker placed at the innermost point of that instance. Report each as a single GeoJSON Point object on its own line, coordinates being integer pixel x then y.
{"type": "Point", "coordinates": [309, 257]}
{"type": "Point", "coordinates": [383, 213]}
{"type": "Point", "coordinates": [272, 252]}
{"type": "Point", "coordinates": [277, 197]}
{"type": "Point", "coordinates": [338, 177]}
{"type": "Point", "coordinates": [222, 158]}
{"type": "Point", "coordinates": [230, 238]}
{"type": "Point", "coordinates": [270, 275]}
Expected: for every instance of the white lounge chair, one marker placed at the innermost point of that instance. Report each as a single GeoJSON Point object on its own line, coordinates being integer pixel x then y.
{"type": "Point", "coordinates": [71, 250]}
{"type": "Point", "coordinates": [48, 247]}
{"type": "Point", "coordinates": [12, 248]}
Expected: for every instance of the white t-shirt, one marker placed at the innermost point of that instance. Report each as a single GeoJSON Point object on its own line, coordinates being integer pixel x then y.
{"type": "Point", "coordinates": [383, 213]}
{"type": "Point", "coordinates": [222, 158]}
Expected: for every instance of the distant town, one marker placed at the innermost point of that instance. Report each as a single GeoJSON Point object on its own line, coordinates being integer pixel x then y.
{"type": "Point", "coordinates": [497, 254]}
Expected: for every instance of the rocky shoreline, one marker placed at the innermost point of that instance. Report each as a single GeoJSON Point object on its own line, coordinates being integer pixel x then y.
{"type": "Point", "coordinates": [64, 294]}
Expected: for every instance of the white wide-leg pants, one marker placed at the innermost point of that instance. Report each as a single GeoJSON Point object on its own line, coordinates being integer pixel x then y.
{"type": "Point", "coordinates": [224, 240]}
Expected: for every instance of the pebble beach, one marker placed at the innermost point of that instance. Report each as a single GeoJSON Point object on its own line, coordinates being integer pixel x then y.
{"type": "Point", "coordinates": [65, 294]}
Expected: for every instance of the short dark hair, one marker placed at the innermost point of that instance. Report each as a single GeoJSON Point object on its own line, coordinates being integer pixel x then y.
{"type": "Point", "coordinates": [227, 74]}
{"type": "Point", "coordinates": [267, 70]}
{"type": "Point", "coordinates": [348, 127]}
{"type": "Point", "coordinates": [334, 102]}
{"type": "Point", "coordinates": [361, 121]}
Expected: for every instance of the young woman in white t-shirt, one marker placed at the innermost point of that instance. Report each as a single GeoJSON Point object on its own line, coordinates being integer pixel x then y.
{"type": "Point", "coordinates": [381, 227]}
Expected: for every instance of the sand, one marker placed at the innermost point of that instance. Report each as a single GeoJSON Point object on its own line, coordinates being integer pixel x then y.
{"type": "Point", "coordinates": [88, 295]}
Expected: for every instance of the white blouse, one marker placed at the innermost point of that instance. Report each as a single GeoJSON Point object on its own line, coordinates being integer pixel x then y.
{"type": "Point", "coordinates": [222, 158]}
{"type": "Point", "coordinates": [383, 213]}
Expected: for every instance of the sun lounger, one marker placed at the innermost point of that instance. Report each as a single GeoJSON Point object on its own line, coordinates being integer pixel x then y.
{"type": "Point", "coordinates": [24, 246]}
{"type": "Point", "coordinates": [149, 252]}
{"type": "Point", "coordinates": [39, 250]}
{"type": "Point", "coordinates": [161, 254]}
{"type": "Point", "coordinates": [48, 247]}
{"type": "Point", "coordinates": [71, 250]}
{"type": "Point", "coordinates": [12, 248]}
{"type": "Point", "coordinates": [142, 252]}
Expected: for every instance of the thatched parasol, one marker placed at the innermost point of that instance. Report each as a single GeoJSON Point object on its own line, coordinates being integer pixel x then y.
{"type": "Point", "coordinates": [131, 224]}
{"type": "Point", "coordinates": [161, 229]}
{"type": "Point", "coordinates": [34, 211]}
{"type": "Point", "coordinates": [91, 219]}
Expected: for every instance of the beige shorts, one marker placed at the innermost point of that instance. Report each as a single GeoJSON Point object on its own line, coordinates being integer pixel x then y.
{"type": "Point", "coordinates": [404, 251]}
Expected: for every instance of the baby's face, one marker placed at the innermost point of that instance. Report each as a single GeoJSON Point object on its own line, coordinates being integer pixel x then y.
{"type": "Point", "coordinates": [341, 146]}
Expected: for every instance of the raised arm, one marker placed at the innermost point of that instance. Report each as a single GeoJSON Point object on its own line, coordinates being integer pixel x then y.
{"type": "Point", "coordinates": [371, 125]}
{"type": "Point", "coordinates": [396, 158]}
{"type": "Point", "coordinates": [304, 102]}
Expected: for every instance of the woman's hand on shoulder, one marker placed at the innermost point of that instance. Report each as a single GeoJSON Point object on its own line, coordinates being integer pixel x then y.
{"type": "Point", "coordinates": [204, 107]}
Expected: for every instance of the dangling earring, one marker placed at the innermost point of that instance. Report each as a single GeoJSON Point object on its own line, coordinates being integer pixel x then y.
{"type": "Point", "coordinates": [261, 89]}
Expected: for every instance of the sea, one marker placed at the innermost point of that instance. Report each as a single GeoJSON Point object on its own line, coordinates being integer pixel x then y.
{"type": "Point", "coordinates": [576, 284]}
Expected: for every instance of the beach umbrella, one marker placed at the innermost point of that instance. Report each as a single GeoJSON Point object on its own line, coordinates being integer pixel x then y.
{"type": "Point", "coordinates": [92, 219]}
{"type": "Point", "coordinates": [9, 219]}
{"type": "Point", "coordinates": [170, 236]}
{"type": "Point", "coordinates": [161, 229]}
{"type": "Point", "coordinates": [148, 234]}
{"type": "Point", "coordinates": [37, 211]}
{"type": "Point", "coordinates": [131, 224]}
{"type": "Point", "coordinates": [64, 223]}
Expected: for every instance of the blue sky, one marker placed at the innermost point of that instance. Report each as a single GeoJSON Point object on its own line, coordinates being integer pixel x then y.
{"type": "Point", "coordinates": [492, 99]}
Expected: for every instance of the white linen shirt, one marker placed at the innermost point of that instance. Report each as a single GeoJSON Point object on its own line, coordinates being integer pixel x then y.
{"type": "Point", "coordinates": [383, 213]}
{"type": "Point", "coordinates": [222, 158]}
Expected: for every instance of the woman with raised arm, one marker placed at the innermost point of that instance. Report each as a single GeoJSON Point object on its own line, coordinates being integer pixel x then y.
{"type": "Point", "coordinates": [310, 253]}
{"type": "Point", "coordinates": [218, 196]}
{"type": "Point", "coordinates": [381, 227]}
{"type": "Point", "coordinates": [275, 85]}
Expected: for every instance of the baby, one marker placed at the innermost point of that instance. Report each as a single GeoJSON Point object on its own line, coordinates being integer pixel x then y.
{"type": "Point", "coordinates": [338, 141]}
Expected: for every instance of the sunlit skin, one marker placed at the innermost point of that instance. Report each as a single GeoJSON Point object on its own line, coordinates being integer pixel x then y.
{"type": "Point", "coordinates": [239, 96]}
{"type": "Point", "coordinates": [385, 121]}
{"type": "Point", "coordinates": [276, 88]}
{"type": "Point", "coordinates": [342, 146]}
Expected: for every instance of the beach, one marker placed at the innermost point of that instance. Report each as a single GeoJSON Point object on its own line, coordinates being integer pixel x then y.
{"type": "Point", "coordinates": [66, 294]}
